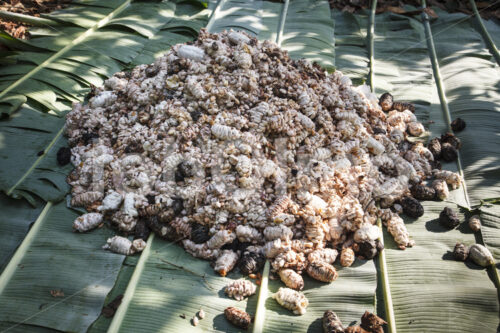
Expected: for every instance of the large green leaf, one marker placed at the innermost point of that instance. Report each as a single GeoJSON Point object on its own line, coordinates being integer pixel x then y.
{"type": "Point", "coordinates": [31, 139]}
{"type": "Point", "coordinates": [402, 64]}
{"type": "Point", "coordinates": [17, 217]}
{"type": "Point", "coordinates": [242, 15]}
{"type": "Point", "coordinates": [180, 28]}
{"type": "Point", "coordinates": [481, 27]}
{"type": "Point", "coordinates": [351, 51]}
{"type": "Point", "coordinates": [349, 296]}
{"type": "Point", "coordinates": [115, 32]}
{"type": "Point", "coordinates": [429, 292]}
{"type": "Point", "coordinates": [490, 229]}
{"type": "Point", "coordinates": [471, 80]}
{"type": "Point", "coordinates": [102, 323]}
{"type": "Point", "coordinates": [493, 28]}
{"type": "Point", "coordinates": [59, 258]}
{"type": "Point", "coordinates": [52, 258]}
{"type": "Point", "coordinates": [472, 94]}
{"type": "Point", "coordinates": [57, 42]}
{"type": "Point", "coordinates": [78, 57]}
{"type": "Point", "coordinates": [307, 31]}
{"type": "Point", "coordinates": [167, 286]}
{"type": "Point", "coordinates": [427, 287]}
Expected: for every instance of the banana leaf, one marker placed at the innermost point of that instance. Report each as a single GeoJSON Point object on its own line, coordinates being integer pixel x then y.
{"type": "Point", "coordinates": [30, 138]}
{"type": "Point", "coordinates": [471, 80]}
{"type": "Point", "coordinates": [493, 28]}
{"type": "Point", "coordinates": [490, 229]}
{"type": "Point", "coordinates": [170, 288]}
{"type": "Point", "coordinates": [17, 218]}
{"type": "Point", "coordinates": [429, 292]}
{"type": "Point", "coordinates": [472, 86]}
{"type": "Point", "coordinates": [52, 79]}
{"type": "Point", "coordinates": [307, 31]}
{"type": "Point", "coordinates": [102, 323]}
{"type": "Point", "coordinates": [351, 50]}
{"type": "Point", "coordinates": [180, 28]}
{"type": "Point", "coordinates": [66, 40]}
{"type": "Point", "coordinates": [428, 288]}
{"type": "Point", "coordinates": [57, 279]}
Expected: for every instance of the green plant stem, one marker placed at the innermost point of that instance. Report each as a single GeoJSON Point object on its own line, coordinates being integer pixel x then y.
{"type": "Point", "coordinates": [496, 276]}
{"type": "Point", "coordinates": [446, 112]}
{"type": "Point", "coordinates": [435, 68]}
{"type": "Point", "coordinates": [371, 48]}
{"type": "Point", "coordinates": [441, 91]}
{"type": "Point", "coordinates": [386, 288]}
{"type": "Point", "coordinates": [490, 201]}
{"type": "Point", "coordinates": [260, 312]}
{"type": "Point", "coordinates": [281, 26]}
{"type": "Point", "coordinates": [485, 33]}
{"type": "Point", "coordinates": [213, 16]}
{"type": "Point", "coordinates": [21, 18]}
{"type": "Point", "coordinates": [132, 285]}
{"type": "Point", "coordinates": [68, 47]}
{"type": "Point", "coordinates": [21, 250]}
{"type": "Point", "coordinates": [38, 160]}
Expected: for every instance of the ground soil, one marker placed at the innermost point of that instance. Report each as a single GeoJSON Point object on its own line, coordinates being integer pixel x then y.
{"type": "Point", "coordinates": [487, 9]}
{"type": "Point", "coordinates": [27, 7]}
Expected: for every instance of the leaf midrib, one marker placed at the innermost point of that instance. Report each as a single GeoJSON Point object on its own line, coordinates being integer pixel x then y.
{"type": "Point", "coordinates": [441, 93]}
{"type": "Point", "coordinates": [382, 261]}
{"type": "Point", "coordinates": [37, 161]}
{"type": "Point", "coordinates": [447, 116]}
{"type": "Point", "coordinates": [131, 287]}
{"type": "Point", "coordinates": [486, 35]}
{"type": "Point", "coordinates": [281, 26]}
{"type": "Point", "coordinates": [446, 113]}
{"type": "Point", "coordinates": [20, 252]}
{"type": "Point", "coordinates": [105, 20]}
